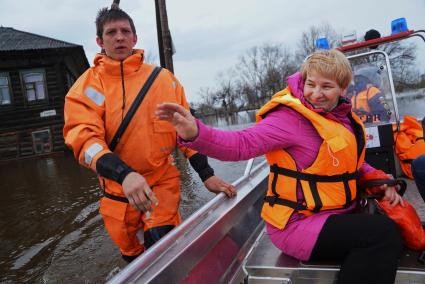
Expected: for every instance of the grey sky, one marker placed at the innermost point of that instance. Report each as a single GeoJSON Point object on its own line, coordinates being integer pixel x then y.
{"type": "Point", "coordinates": [209, 36]}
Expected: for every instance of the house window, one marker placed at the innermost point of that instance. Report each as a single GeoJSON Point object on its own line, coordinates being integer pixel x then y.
{"type": "Point", "coordinates": [4, 89]}
{"type": "Point", "coordinates": [42, 141]}
{"type": "Point", "coordinates": [34, 85]}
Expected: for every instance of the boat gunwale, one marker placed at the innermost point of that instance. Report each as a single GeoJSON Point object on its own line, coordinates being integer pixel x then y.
{"type": "Point", "coordinates": [179, 235]}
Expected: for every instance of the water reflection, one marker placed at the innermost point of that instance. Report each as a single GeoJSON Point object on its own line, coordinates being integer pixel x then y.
{"type": "Point", "coordinates": [40, 200]}
{"type": "Point", "coordinates": [412, 103]}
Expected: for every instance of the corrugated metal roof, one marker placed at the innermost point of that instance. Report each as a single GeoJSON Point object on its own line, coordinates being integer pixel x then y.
{"type": "Point", "coordinates": [11, 39]}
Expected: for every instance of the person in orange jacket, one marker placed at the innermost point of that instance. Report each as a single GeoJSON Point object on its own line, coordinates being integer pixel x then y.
{"type": "Point", "coordinates": [418, 166]}
{"type": "Point", "coordinates": [368, 101]}
{"type": "Point", "coordinates": [141, 184]}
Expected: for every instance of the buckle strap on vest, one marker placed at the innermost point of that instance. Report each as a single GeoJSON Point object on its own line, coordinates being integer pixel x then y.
{"type": "Point", "coordinates": [315, 193]}
{"type": "Point", "coordinates": [272, 200]}
{"type": "Point", "coordinates": [312, 177]}
{"type": "Point", "coordinates": [312, 181]}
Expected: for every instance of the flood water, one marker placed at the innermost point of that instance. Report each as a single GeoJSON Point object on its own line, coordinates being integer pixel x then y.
{"type": "Point", "coordinates": [50, 228]}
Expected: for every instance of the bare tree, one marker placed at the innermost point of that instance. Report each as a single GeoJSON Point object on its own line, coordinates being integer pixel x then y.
{"type": "Point", "coordinates": [279, 65]}
{"type": "Point", "coordinates": [402, 58]}
{"type": "Point", "coordinates": [206, 107]}
{"type": "Point", "coordinates": [307, 43]}
{"type": "Point", "coordinates": [251, 75]}
{"type": "Point", "coordinates": [228, 94]}
{"type": "Point", "coordinates": [225, 99]}
{"type": "Point", "coordinates": [262, 71]}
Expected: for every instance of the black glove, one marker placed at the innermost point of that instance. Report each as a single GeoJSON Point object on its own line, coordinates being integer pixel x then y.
{"type": "Point", "coordinates": [112, 167]}
{"type": "Point", "coordinates": [199, 163]}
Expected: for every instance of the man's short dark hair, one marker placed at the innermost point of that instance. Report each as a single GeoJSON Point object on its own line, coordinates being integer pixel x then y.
{"type": "Point", "coordinates": [106, 15]}
{"type": "Point", "coordinates": [372, 34]}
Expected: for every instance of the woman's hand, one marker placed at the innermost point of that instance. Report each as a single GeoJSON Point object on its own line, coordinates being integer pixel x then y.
{"type": "Point", "coordinates": [392, 196]}
{"type": "Point", "coordinates": [182, 120]}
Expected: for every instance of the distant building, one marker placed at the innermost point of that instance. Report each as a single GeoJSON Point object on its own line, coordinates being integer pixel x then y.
{"type": "Point", "coordinates": [35, 75]}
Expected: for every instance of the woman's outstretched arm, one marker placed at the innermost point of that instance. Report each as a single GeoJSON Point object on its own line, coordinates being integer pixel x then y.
{"type": "Point", "coordinates": [274, 132]}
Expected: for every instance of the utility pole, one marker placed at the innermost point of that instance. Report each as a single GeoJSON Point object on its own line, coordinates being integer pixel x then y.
{"type": "Point", "coordinates": [164, 36]}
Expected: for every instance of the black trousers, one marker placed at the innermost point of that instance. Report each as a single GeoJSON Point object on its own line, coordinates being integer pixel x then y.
{"type": "Point", "coordinates": [151, 236]}
{"type": "Point", "coordinates": [367, 245]}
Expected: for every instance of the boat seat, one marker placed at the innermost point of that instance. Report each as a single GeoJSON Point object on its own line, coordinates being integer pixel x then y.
{"type": "Point", "coordinates": [267, 264]}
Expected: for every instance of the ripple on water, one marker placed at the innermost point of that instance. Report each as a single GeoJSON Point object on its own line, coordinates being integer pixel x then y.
{"type": "Point", "coordinates": [29, 253]}
{"type": "Point", "coordinates": [85, 212]}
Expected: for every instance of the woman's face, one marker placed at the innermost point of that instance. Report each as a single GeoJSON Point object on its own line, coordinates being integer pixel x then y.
{"type": "Point", "coordinates": [322, 92]}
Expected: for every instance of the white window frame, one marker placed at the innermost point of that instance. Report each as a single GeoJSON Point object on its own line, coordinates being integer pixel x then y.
{"type": "Point", "coordinates": [43, 144]}
{"type": "Point", "coordinates": [5, 88]}
{"type": "Point", "coordinates": [39, 87]}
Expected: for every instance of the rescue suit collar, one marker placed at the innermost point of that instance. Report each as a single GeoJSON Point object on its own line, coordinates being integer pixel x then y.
{"type": "Point", "coordinates": [111, 67]}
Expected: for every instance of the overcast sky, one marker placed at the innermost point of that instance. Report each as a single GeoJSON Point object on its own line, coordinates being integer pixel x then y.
{"type": "Point", "coordinates": [209, 36]}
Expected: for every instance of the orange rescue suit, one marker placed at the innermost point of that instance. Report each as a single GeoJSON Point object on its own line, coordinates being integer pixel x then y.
{"type": "Point", "coordinates": [94, 109]}
{"type": "Point", "coordinates": [330, 181]}
{"type": "Point", "coordinates": [409, 143]}
{"type": "Point", "coordinates": [361, 106]}
{"type": "Point", "coordinates": [360, 101]}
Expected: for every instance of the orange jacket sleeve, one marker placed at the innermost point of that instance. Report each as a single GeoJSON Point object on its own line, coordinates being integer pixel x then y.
{"type": "Point", "coordinates": [84, 130]}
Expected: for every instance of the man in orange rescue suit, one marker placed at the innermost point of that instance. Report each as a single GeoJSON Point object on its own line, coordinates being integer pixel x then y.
{"type": "Point", "coordinates": [141, 184]}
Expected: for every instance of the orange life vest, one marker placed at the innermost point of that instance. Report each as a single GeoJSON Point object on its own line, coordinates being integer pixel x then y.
{"type": "Point", "coordinates": [361, 106]}
{"type": "Point", "coordinates": [409, 143]}
{"type": "Point", "coordinates": [328, 183]}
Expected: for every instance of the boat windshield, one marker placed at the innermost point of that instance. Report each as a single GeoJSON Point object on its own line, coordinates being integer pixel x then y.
{"type": "Point", "coordinates": [372, 91]}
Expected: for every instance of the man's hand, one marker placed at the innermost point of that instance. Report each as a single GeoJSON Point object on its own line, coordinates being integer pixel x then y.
{"type": "Point", "coordinates": [217, 185]}
{"type": "Point", "coordinates": [138, 192]}
{"type": "Point", "coordinates": [182, 120]}
{"type": "Point", "coordinates": [392, 196]}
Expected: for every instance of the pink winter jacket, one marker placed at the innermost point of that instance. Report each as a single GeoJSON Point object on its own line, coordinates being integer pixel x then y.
{"type": "Point", "coordinates": [281, 128]}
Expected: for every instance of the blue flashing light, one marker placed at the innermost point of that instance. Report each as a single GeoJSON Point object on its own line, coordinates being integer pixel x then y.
{"type": "Point", "coordinates": [322, 43]}
{"type": "Point", "coordinates": [398, 26]}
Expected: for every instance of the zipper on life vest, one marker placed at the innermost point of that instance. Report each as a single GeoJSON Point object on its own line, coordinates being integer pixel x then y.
{"type": "Point", "coordinates": [123, 89]}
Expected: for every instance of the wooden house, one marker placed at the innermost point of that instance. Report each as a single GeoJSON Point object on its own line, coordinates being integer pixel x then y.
{"type": "Point", "coordinates": [35, 75]}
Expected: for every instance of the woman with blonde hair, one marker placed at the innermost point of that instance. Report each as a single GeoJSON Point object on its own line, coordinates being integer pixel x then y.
{"type": "Point", "coordinates": [315, 147]}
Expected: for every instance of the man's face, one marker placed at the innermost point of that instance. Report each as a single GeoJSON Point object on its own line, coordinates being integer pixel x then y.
{"type": "Point", "coordinates": [117, 39]}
